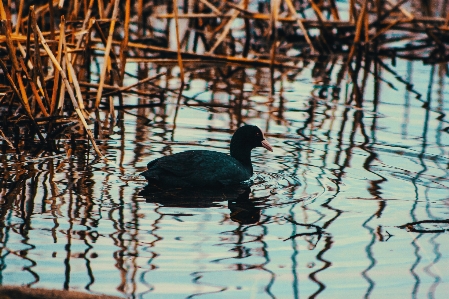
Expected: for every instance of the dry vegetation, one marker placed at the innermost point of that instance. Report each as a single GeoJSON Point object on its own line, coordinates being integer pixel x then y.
{"type": "Point", "coordinates": [61, 61]}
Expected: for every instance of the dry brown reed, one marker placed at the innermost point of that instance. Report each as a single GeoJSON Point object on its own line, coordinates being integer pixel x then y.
{"type": "Point", "coordinates": [48, 55]}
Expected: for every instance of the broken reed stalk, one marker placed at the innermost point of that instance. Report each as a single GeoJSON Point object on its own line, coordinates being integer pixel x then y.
{"type": "Point", "coordinates": [212, 7]}
{"type": "Point", "coordinates": [300, 24]}
{"type": "Point", "coordinates": [69, 90]}
{"type": "Point", "coordinates": [117, 90]}
{"type": "Point", "coordinates": [324, 32]}
{"type": "Point", "coordinates": [334, 10]}
{"type": "Point", "coordinates": [34, 89]}
{"type": "Point", "coordinates": [6, 139]}
{"type": "Point", "coordinates": [208, 57]}
{"type": "Point", "coordinates": [74, 78]}
{"type": "Point", "coordinates": [126, 88]}
{"type": "Point", "coordinates": [225, 30]}
{"type": "Point", "coordinates": [403, 10]}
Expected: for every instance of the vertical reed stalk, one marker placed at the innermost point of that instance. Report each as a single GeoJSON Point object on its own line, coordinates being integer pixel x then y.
{"type": "Point", "coordinates": [28, 40]}
{"type": "Point", "coordinates": [19, 17]}
{"type": "Point", "coordinates": [446, 22]}
{"type": "Point", "coordinates": [100, 8]}
{"type": "Point", "coordinates": [59, 56]}
{"type": "Point", "coordinates": [37, 60]}
{"type": "Point", "coordinates": [139, 9]}
{"type": "Point", "coordinates": [274, 19]}
{"type": "Point", "coordinates": [106, 54]}
{"type": "Point", "coordinates": [358, 31]}
{"type": "Point", "coordinates": [351, 10]}
{"type": "Point", "coordinates": [60, 102]}
{"type": "Point", "coordinates": [334, 10]}
{"type": "Point", "coordinates": [34, 89]}
{"type": "Point", "coordinates": [2, 11]}
{"type": "Point", "coordinates": [74, 80]}
{"type": "Point", "coordinates": [124, 45]}
{"type": "Point", "coordinates": [181, 66]}
{"type": "Point", "coordinates": [52, 22]}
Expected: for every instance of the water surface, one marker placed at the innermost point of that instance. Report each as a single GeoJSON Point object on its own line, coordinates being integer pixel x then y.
{"type": "Point", "coordinates": [356, 174]}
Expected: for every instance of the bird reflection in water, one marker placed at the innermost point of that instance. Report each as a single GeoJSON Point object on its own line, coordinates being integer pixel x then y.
{"type": "Point", "coordinates": [242, 209]}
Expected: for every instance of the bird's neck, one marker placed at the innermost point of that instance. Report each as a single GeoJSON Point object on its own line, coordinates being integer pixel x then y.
{"type": "Point", "coordinates": [243, 155]}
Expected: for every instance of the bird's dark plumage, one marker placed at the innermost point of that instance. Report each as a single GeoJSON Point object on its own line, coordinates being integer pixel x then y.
{"type": "Point", "coordinates": [203, 168]}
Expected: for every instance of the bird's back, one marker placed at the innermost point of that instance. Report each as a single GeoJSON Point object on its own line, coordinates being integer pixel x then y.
{"type": "Point", "coordinates": [196, 168]}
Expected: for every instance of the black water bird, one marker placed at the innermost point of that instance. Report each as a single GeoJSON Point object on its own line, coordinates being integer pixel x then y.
{"type": "Point", "coordinates": [206, 169]}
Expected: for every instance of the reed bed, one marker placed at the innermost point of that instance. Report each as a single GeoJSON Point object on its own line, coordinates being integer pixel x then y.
{"type": "Point", "coordinates": [63, 61]}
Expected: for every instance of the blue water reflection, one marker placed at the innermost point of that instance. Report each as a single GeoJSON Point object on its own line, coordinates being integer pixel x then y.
{"type": "Point", "coordinates": [356, 173]}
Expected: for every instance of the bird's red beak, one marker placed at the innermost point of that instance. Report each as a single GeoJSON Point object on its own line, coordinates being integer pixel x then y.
{"type": "Point", "coordinates": [267, 145]}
